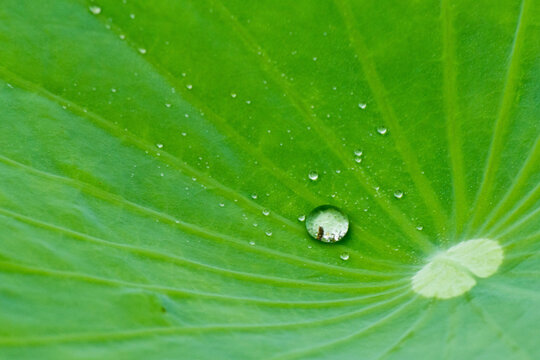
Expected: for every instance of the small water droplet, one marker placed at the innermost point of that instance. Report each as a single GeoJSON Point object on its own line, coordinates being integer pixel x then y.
{"type": "Point", "coordinates": [313, 175]}
{"type": "Point", "coordinates": [253, 196]}
{"type": "Point", "coordinates": [162, 174]}
{"type": "Point", "coordinates": [96, 10]}
{"type": "Point", "coordinates": [358, 152]}
{"type": "Point", "coordinates": [302, 218]}
{"type": "Point", "coordinates": [268, 233]}
{"type": "Point", "coordinates": [221, 204]}
{"type": "Point", "coordinates": [398, 194]}
{"type": "Point", "coordinates": [344, 256]}
{"type": "Point", "coordinates": [266, 212]}
{"type": "Point", "coordinates": [252, 243]}
{"type": "Point", "coordinates": [168, 105]}
{"type": "Point", "coordinates": [362, 106]}
{"type": "Point", "coordinates": [314, 58]}
{"type": "Point", "coordinates": [142, 51]}
{"type": "Point", "coordinates": [233, 95]}
{"type": "Point", "coordinates": [160, 146]}
{"type": "Point", "coordinates": [327, 223]}
{"type": "Point", "coordinates": [189, 86]}
{"type": "Point", "coordinates": [420, 228]}
{"type": "Point", "coordinates": [132, 16]}
{"type": "Point", "coordinates": [382, 130]}
{"type": "Point", "coordinates": [358, 159]}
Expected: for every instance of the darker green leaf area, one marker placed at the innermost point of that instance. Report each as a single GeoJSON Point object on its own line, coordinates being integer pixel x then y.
{"type": "Point", "coordinates": [154, 161]}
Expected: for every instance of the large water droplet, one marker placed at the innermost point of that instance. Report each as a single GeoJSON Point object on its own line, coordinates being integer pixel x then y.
{"type": "Point", "coordinates": [327, 223]}
{"type": "Point", "coordinates": [313, 175]}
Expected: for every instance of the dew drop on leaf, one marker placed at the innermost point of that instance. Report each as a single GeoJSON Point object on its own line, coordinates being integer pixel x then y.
{"type": "Point", "coordinates": [266, 212]}
{"type": "Point", "coordinates": [313, 175]}
{"type": "Point", "coordinates": [327, 223]}
{"type": "Point", "coordinates": [302, 218]}
{"type": "Point", "coordinates": [362, 106]}
{"type": "Point", "coordinates": [382, 130]}
{"type": "Point", "coordinates": [398, 194]}
{"type": "Point", "coordinates": [344, 256]}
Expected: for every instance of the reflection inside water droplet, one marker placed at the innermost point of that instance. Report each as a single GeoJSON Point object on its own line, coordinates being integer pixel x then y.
{"type": "Point", "coordinates": [327, 223]}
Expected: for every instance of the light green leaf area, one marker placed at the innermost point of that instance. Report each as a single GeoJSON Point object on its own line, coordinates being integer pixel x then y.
{"type": "Point", "coordinates": [154, 162]}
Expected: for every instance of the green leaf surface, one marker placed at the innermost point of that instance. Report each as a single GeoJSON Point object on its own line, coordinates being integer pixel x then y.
{"type": "Point", "coordinates": [143, 142]}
